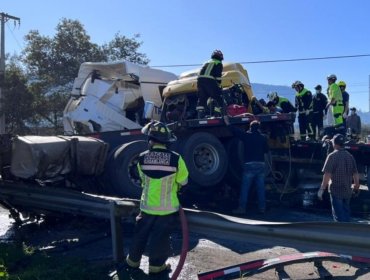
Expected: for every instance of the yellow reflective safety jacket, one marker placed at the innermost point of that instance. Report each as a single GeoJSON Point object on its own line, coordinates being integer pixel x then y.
{"type": "Point", "coordinates": [162, 173]}
{"type": "Point", "coordinates": [336, 94]}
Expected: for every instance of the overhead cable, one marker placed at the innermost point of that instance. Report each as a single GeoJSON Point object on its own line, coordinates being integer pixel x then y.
{"type": "Point", "coordinates": [273, 61]}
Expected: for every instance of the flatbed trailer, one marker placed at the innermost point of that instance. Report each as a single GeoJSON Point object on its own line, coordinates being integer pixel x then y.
{"type": "Point", "coordinates": [213, 155]}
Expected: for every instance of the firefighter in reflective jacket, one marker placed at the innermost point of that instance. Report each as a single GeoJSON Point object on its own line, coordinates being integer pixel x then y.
{"type": "Point", "coordinates": [335, 100]}
{"type": "Point", "coordinates": [209, 84]}
{"type": "Point", "coordinates": [162, 173]}
{"type": "Point", "coordinates": [285, 105]}
{"type": "Point", "coordinates": [303, 102]}
{"type": "Point", "coordinates": [282, 102]}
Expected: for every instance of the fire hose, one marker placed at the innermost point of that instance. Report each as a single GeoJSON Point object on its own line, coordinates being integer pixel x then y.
{"type": "Point", "coordinates": [185, 244]}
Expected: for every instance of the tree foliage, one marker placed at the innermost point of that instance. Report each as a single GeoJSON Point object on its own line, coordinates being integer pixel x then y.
{"type": "Point", "coordinates": [18, 100]}
{"type": "Point", "coordinates": [52, 63]}
{"type": "Point", "coordinates": [125, 48]}
{"type": "Point", "coordinates": [56, 60]}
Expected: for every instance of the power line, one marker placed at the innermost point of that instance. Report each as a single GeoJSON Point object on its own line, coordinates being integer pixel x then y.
{"type": "Point", "coordinates": [14, 37]}
{"type": "Point", "coordinates": [273, 61]}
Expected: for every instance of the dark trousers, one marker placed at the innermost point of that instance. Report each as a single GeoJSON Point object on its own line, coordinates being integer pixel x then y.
{"type": "Point", "coordinates": [305, 125]}
{"type": "Point", "coordinates": [209, 88]}
{"type": "Point", "coordinates": [156, 230]}
{"type": "Point", "coordinates": [254, 173]}
{"type": "Point", "coordinates": [345, 123]}
{"type": "Point", "coordinates": [317, 123]}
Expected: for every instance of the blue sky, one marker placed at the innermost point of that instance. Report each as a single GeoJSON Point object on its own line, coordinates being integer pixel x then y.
{"type": "Point", "coordinates": [185, 32]}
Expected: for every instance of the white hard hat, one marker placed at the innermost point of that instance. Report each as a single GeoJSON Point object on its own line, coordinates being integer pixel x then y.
{"type": "Point", "coordinates": [272, 95]}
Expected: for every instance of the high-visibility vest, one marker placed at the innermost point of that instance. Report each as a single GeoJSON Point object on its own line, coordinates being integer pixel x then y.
{"type": "Point", "coordinates": [162, 173]}
{"type": "Point", "coordinates": [282, 100]}
{"type": "Point", "coordinates": [336, 94]}
{"type": "Point", "coordinates": [211, 70]}
{"type": "Point", "coordinates": [301, 105]}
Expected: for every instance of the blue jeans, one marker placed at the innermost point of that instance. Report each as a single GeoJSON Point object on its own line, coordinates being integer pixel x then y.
{"type": "Point", "coordinates": [254, 172]}
{"type": "Point", "coordinates": [340, 209]}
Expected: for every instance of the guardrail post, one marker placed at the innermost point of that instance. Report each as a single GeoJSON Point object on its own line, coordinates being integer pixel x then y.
{"type": "Point", "coordinates": [116, 231]}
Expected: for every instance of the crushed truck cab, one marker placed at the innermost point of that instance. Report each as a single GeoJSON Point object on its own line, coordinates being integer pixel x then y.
{"type": "Point", "coordinates": [111, 96]}
{"type": "Point", "coordinates": [180, 96]}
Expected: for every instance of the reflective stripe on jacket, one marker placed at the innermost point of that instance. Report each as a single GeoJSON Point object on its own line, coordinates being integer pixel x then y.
{"type": "Point", "coordinates": [336, 94]}
{"type": "Point", "coordinates": [162, 173]}
{"type": "Point", "coordinates": [304, 100]}
{"type": "Point", "coordinates": [211, 70]}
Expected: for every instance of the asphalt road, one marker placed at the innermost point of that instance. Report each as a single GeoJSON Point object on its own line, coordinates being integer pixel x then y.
{"type": "Point", "coordinates": [90, 238]}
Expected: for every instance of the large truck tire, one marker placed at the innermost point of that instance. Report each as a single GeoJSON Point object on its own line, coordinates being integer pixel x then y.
{"type": "Point", "coordinates": [121, 170]}
{"type": "Point", "coordinates": [205, 158]}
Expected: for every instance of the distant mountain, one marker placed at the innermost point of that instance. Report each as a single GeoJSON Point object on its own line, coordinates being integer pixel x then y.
{"type": "Point", "coordinates": [365, 117]}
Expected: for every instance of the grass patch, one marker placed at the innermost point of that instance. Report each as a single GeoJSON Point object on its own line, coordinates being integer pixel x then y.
{"type": "Point", "coordinates": [20, 262]}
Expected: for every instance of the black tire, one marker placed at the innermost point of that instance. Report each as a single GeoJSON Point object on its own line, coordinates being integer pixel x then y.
{"type": "Point", "coordinates": [121, 171]}
{"type": "Point", "coordinates": [235, 152]}
{"type": "Point", "coordinates": [206, 159]}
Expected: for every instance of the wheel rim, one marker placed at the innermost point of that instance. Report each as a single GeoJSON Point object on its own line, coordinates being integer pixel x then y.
{"type": "Point", "coordinates": [206, 158]}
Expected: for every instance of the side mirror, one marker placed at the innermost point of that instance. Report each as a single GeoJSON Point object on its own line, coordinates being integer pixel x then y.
{"type": "Point", "coordinates": [148, 110]}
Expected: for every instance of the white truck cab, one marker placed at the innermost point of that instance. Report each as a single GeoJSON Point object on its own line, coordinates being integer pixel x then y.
{"type": "Point", "coordinates": [110, 96]}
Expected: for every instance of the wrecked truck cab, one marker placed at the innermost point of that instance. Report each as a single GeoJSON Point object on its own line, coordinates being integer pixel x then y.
{"type": "Point", "coordinates": [110, 96]}
{"type": "Point", "coordinates": [180, 95]}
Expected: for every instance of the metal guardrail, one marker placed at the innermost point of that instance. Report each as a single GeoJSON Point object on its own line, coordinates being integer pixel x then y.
{"type": "Point", "coordinates": [18, 197]}
{"type": "Point", "coordinates": [348, 238]}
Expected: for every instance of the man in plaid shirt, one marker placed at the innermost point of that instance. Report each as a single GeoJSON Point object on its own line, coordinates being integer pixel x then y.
{"type": "Point", "coordinates": [339, 170]}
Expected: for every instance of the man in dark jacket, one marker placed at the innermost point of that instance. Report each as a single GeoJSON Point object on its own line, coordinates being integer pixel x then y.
{"type": "Point", "coordinates": [254, 168]}
{"type": "Point", "coordinates": [345, 96]}
{"type": "Point", "coordinates": [319, 102]}
{"type": "Point", "coordinates": [354, 124]}
{"type": "Point", "coordinates": [209, 85]}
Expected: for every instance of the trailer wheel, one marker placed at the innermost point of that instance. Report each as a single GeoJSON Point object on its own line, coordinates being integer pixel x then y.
{"type": "Point", "coordinates": [122, 173]}
{"type": "Point", "coordinates": [235, 152]}
{"type": "Point", "coordinates": [206, 159]}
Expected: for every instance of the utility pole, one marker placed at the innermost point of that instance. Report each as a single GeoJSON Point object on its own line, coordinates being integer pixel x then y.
{"type": "Point", "coordinates": [3, 19]}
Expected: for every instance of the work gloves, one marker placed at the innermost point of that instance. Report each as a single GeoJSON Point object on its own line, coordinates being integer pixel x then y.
{"type": "Point", "coordinates": [320, 193]}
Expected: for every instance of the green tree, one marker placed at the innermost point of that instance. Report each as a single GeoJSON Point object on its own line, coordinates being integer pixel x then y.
{"type": "Point", "coordinates": [18, 100]}
{"type": "Point", "coordinates": [123, 48]}
{"type": "Point", "coordinates": [53, 63]}
{"type": "Point", "coordinates": [56, 60]}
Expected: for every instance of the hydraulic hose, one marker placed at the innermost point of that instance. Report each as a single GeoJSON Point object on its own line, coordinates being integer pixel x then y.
{"type": "Point", "coordinates": [185, 244]}
{"type": "Point", "coordinates": [289, 173]}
